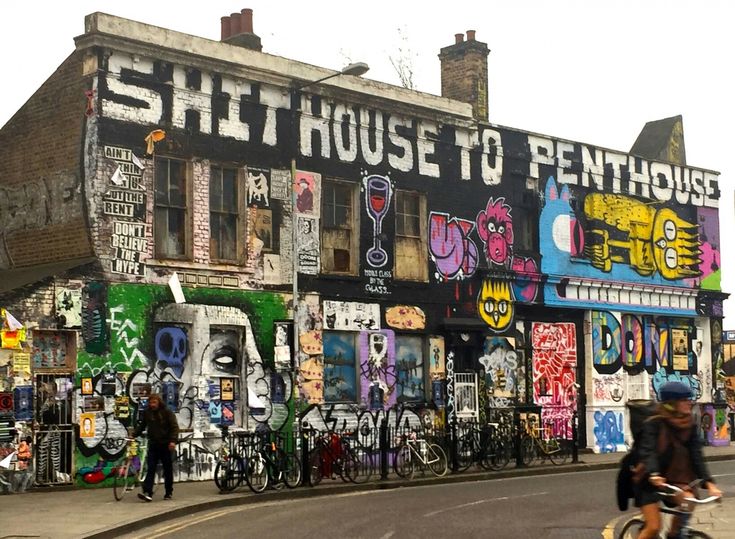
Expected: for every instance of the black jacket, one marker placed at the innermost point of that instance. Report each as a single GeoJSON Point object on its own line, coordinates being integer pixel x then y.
{"type": "Point", "coordinates": [655, 463]}
{"type": "Point", "coordinates": [161, 425]}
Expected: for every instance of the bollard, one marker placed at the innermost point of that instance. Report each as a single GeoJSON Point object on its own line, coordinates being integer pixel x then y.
{"type": "Point", "coordinates": [384, 448]}
{"type": "Point", "coordinates": [517, 439]}
{"type": "Point", "coordinates": [575, 438]}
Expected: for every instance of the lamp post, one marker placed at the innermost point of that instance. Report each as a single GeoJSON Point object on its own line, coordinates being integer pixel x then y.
{"type": "Point", "coordinates": [357, 69]}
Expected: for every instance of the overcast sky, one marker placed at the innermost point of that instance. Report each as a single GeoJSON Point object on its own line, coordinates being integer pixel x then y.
{"type": "Point", "coordinates": [590, 71]}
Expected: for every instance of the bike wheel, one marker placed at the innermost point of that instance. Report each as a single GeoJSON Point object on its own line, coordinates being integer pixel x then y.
{"type": "Point", "coordinates": [122, 481]}
{"type": "Point", "coordinates": [700, 535]}
{"type": "Point", "coordinates": [497, 455]}
{"type": "Point", "coordinates": [557, 452]}
{"type": "Point", "coordinates": [403, 463]}
{"type": "Point", "coordinates": [528, 450]}
{"type": "Point", "coordinates": [228, 473]}
{"type": "Point", "coordinates": [632, 528]}
{"type": "Point", "coordinates": [437, 460]}
{"type": "Point", "coordinates": [465, 452]}
{"type": "Point", "coordinates": [256, 473]}
{"type": "Point", "coordinates": [357, 465]}
{"type": "Point", "coordinates": [291, 469]}
{"type": "Point", "coordinates": [315, 467]}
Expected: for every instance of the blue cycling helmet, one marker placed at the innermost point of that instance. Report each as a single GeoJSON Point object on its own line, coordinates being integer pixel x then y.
{"type": "Point", "coordinates": [674, 391]}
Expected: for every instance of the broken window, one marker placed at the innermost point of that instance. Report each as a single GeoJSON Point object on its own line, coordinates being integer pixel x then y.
{"type": "Point", "coordinates": [411, 248]}
{"type": "Point", "coordinates": [224, 222]}
{"type": "Point", "coordinates": [339, 226]}
{"type": "Point", "coordinates": [170, 217]}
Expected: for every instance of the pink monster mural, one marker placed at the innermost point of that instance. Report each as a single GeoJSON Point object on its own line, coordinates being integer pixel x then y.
{"type": "Point", "coordinates": [495, 226]}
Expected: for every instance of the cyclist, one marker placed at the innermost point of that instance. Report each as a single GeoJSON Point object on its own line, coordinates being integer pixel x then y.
{"type": "Point", "coordinates": [163, 432]}
{"type": "Point", "coordinates": [670, 452]}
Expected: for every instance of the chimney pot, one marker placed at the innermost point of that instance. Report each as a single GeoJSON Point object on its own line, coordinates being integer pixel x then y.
{"type": "Point", "coordinates": [458, 38]}
{"type": "Point", "coordinates": [225, 27]}
{"type": "Point", "coordinates": [235, 24]}
{"type": "Point", "coordinates": [246, 20]}
{"type": "Point", "coordinates": [470, 35]}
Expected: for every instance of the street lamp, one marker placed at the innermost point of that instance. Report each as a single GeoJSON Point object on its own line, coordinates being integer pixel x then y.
{"type": "Point", "coordinates": [357, 69]}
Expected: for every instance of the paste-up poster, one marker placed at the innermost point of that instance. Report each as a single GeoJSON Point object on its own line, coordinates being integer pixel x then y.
{"type": "Point", "coordinates": [87, 425]}
{"type": "Point", "coordinates": [308, 192]}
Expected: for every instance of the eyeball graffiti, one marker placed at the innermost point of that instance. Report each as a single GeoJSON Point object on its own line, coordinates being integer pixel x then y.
{"type": "Point", "coordinates": [495, 304]}
{"type": "Point", "coordinates": [223, 354]}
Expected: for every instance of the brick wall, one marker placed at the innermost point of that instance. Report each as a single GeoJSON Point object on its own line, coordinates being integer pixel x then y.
{"type": "Point", "coordinates": [41, 196]}
{"type": "Point", "coordinates": [464, 74]}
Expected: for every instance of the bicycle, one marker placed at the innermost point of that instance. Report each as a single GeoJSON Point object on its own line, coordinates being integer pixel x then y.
{"type": "Point", "coordinates": [538, 441]}
{"type": "Point", "coordinates": [684, 510]}
{"type": "Point", "coordinates": [414, 449]}
{"type": "Point", "coordinates": [270, 465]}
{"type": "Point", "coordinates": [230, 469]}
{"type": "Point", "coordinates": [484, 446]}
{"type": "Point", "coordinates": [131, 473]}
{"type": "Point", "coordinates": [335, 453]}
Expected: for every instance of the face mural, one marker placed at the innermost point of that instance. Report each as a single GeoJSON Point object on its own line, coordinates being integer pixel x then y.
{"type": "Point", "coordinates": [495, 227]}
{"type": "Point", "coordinates": [495, 304]}
{"type": "Point", "coordinates": [650, 240]}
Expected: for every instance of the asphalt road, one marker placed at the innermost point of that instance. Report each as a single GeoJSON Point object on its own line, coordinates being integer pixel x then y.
{"type": "Point", "coordinates": [571, 505]}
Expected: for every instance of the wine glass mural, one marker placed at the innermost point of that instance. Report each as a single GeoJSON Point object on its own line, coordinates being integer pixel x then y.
{"type": "Point", "coordinates": [378, 192]}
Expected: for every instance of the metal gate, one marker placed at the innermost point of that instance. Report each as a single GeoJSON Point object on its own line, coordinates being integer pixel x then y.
{"type": "Point", "coordinates": [54, 439]}
{"type": "Point", "coordinates": [465, 391]}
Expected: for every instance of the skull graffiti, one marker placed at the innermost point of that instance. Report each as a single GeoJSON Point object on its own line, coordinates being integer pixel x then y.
{"type": "Point", "coordinates": [171, 349]}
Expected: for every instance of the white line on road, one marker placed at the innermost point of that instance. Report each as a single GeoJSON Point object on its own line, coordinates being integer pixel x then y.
{"type": "Point", "coordinates": [389, 535]}
{"type": "Point", "coordinates": [470, 504]}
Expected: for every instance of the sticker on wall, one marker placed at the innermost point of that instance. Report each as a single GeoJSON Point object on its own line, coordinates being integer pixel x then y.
{"type": "Point", "coordinates": [122, 407]}
{"type": "Point", "coordinates": [94, 404]}
{"type": "Point", "coordinates": [22, 364]}
{"type": "Point", "coordinates": [259, 187]}
{"type": "Point", "coordinates": [227, 389]}
{"type": "Point", "coordinates": [87, 386]}
{"type": "Point", "coordinates": [170, 395]}
{"type": "Point", "coordinates": [405, 317]}
{"type": "Point", "coordinates": [271, 268]}
{"type": "Point", "coordinates": [280, 181]}
{"type": "Point", "coordinates": [680, 349]}
{"type": "Point", "coordinates": [23, 403]}
{"type": "Point", "coordinates": [310, 342]}
{"type": "Point", "coordinates": [87, 425]}
{"type": "Point", "coordinates": [436, 358]}
{"type": "Point", "coordinates": [129, 244]}
{"type": "Point", "coordinates": [307, 245]}
{"type": "Point", "coordinates": [141, 390]}
{"type": "Point", "coordinates": [351, 316]}
{"type": "Point", "coordinates": [227, 413]}
{"type": "Point", "coordinates": [283, 343]}
{"type": "Point", "coordinates": [6, 404]}
{"type": "Point", "coordinates": [308, 192]}
{"type": "Point", "coordinates": [69, 307]}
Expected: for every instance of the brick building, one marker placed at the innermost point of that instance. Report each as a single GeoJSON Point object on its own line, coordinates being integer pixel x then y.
{"type": "Point", "coordinates": [447, 268]}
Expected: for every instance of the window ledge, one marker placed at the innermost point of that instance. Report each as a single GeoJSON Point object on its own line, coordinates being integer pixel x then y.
{"type": "Point", "coordinates": [189, 265]}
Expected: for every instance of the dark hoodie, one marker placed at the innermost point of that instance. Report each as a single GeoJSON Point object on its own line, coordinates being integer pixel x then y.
{"type": "Point", "coordinates": [161, 424]}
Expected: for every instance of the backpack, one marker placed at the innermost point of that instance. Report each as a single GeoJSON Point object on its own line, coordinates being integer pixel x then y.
{"type": "Point", "coordinates": [639, 410]}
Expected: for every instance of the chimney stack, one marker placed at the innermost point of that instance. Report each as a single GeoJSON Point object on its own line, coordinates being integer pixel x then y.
{"type": "Point", "coordinates": [237, 29]}
{"type": "Point", "coordinates": [464, 73]}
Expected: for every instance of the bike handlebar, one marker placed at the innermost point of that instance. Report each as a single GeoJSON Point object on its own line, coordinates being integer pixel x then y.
{"type": "Point", "coordinates": [676, 490]}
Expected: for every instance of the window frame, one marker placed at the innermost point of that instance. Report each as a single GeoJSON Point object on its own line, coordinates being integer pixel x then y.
{"type": "Point", "coordinates": [187, 209]}
{"type": "Point", "coordinates": [241, 217]}
{"type": "Point", "coordinates": [354, 336]}
{"type": "Point", "coordinates": [422, 238]}
{"type": "Point", "coordinates": [354, 229]}
{"type": "Point", "coordinates": [423, 357]}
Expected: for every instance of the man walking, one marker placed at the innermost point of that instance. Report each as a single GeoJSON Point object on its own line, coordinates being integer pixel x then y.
{"type": "Point", "coordinates": [163, 431]}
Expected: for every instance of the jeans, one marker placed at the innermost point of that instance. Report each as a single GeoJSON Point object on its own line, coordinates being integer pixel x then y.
{"type": "Point", "coordinates": [159, 452]}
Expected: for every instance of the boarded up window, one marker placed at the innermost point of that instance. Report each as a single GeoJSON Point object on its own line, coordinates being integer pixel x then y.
{"type": "Point", "coordinates": [411, 248]}
{"type": "Point", "coordinates": [339, 244]}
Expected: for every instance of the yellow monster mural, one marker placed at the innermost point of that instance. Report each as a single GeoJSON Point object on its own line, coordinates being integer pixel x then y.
{"type": "Point", "coordinates": [495, 304]}
{"type": "Point", "coordinates": [647, 238]}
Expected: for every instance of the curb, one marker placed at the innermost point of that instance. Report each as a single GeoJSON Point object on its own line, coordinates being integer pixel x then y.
{"type": "Point", "coordinates": [391, 484]}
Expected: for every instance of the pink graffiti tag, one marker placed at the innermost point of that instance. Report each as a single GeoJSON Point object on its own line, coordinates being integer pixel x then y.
{"type": "Point", "coordinates": [495, 227]}
{"type": "Point", "coordinates": [451, 248]}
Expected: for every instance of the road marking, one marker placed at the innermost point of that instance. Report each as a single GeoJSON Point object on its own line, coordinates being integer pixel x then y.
{"type": "Point", "coordinates": [609, 531]}
{"type": "Point", "coordinates": [388, 535]}
{"type": "Point", "coordinates": [470, 504]}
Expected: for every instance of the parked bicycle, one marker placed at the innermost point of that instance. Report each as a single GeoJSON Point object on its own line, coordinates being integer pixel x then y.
{"type": "Point", "coordinates": [683, 509]}
{"type": "Point", "coordinates": [486, 446]}
{"type": "Point", "coordinates": [414, 451]}
{"type": "Point", "coordinates": [338, 454]}
{"type": "Point", "coordinates": [229, 471]}
{"type": "Point", "coordinates": [538, 441]}
{"type": "Point", "coordinates": [131, 473]}
{"type": "Point", "coordinates": [270, 465]}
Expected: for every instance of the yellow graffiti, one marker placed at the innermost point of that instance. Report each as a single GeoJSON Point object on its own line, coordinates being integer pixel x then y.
{"type": "Point", "coordinates": [495, 304]}
{"type": "Point", "coordinates": [646, 238]}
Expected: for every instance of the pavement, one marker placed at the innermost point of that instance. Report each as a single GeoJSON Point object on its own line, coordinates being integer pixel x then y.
{"type": "Point", "coordinates": [93, 513]}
